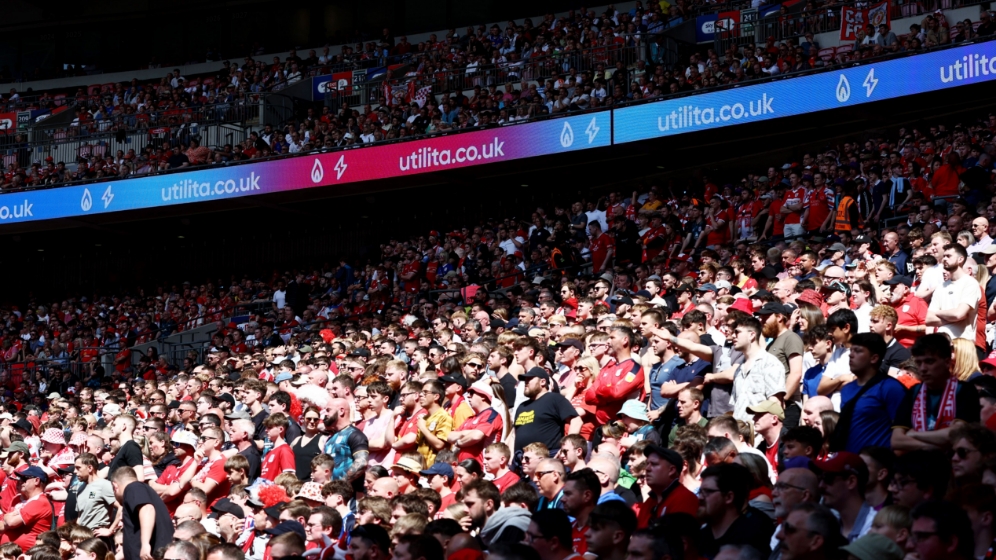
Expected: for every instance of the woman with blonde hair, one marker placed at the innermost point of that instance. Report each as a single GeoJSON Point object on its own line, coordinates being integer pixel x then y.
{"type": "Point", "coordinates": [586, 369]}
{"type": "Point", "coordinates": [966, 365]}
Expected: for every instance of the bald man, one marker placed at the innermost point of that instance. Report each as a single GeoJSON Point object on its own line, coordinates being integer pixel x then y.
{"type": "Point", "coordinates": [812, 409]}
{"type": "Point", "coordinates": [894, 252]}
{"type": "Point", "coordinates": [549, 477]}
{"type": "Point", "coordinates": [385, 487]}
{"type": "Point", "coordinates": [980, 229]}
{"type": "Point", "coordinates": [348, 446]}
{"type": "Point", "coordinates": [318, 377]}
{"type": "Point", "coordinates": [607, 468]}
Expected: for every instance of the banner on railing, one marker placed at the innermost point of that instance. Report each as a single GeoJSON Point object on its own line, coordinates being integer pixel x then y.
{"type": "Point", "coordinates": [727, 23]}
{"type": "Point", "coordinates": [340, 82]}
{"type": "Point", "coordinates": [769, 10]}
{"type": "Point", "coordinates": [8, 123]}
{"type": "Point", "coordinates": [705, 28]}
{"type": "Point", "coordinates": [852, 19]}
{"type": "Point", "coordinates": [826, 91]}
{"type": "Point", "coordinates": [494, 145]}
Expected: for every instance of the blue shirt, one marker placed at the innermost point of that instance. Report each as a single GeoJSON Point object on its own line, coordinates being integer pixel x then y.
{"type": "Point", "coordinates": [874, 413]}
{"type": "Point", "coordinates": [899, 259]}
{"type": "Point", "coordinates": [811, 380]}
{"type": "Point", "coordinates": [659, 374]}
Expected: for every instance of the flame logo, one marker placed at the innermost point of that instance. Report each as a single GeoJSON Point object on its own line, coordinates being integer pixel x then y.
{"type": "Point", "coordinates": [317, 172]}
{"type": "Point", "coordinates": [843, 89]}
{"type": "Point", "coordinates": [87, 201]}
{"type": "Point", "coordinates": [567, 136]}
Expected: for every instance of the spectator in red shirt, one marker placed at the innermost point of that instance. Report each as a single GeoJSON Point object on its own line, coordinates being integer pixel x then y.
{"type": "Point", "coordinates": [601, 247]}
{"type": "Point", "coordinates": [668, 495]}
{"type": "Point", "coordinates": [280, 459]}
{"type": "Point", "coordinates": [619, 382]}
{"type": "Point", "coordinates": [718, 221]}
{"type": "Point", "coordinates": [947, 177]}
{"type": "Point", "coordinates": [211, 478]}
{"type": "Point", "coordinates": [33, 514]}
{"type": "Point", "coordinates": [912, 310]}
{"type": "Point", "coordinates": [792, 207]}
{"type": "Point", "coordinates": [481, 430]}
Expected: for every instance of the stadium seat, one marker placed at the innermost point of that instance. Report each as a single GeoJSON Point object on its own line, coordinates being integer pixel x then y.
{"type": "Point", "coordinates": [826, 54]}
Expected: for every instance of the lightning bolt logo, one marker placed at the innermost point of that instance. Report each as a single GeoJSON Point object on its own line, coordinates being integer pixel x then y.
{"type": "Point", "coordinates": [107, 197]}
{"type": "Point", "coordinates": [870, 82]}
{"type": "Point", "coordinates": [592, 130]}
{"type": "Point", "coordinates": [340, 167]}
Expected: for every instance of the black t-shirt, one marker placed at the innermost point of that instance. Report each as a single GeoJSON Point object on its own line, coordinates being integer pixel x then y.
{"type": "Point", "coordinates": [895, 355]}
{"type": "Point", "coordinates": [753, 528]}
{"type": "Point", "coordinates": [966, 405]}
{"type": "Point", "coordinates": [509, 385]}
{"type": "Point", "coordinates": [255, 461]}
{"type": "Point", "coordinates": [543, 420]}
{"type": "Point", "coordinates": [130, 455]}
{"type": "Point", "coordinates": [257, 421]}
{"type": "Point", "coordinates": [135, 496]}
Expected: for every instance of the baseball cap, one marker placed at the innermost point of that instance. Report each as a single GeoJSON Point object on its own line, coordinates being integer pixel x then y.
{"type": "Point", "coordinates": [988, 249]}
{"type": "Point", "coordinates": [899, 279]}
{"type": "Point", "coordinates": [274, 510]}
{"type": "Point", "coordinates": [443, 469]}
{"type": "Point", "coordinates": [534, 372]}
{"type": "Point", "coordinates": [840, 462]}
{"type": "Point", "coordinates": [862, 239]}
{"type": "Point", "coordinates": [635, 409]}
{"type": "Point", "coordinates": [722, 285]}
{"type": "Point", "coordinates": [838, 247]}
{"type": "Point", "coordinates": [284, 376]}
{"type": "Point", "coordinates": [32, 472]}
{"type": "Point", "coordinates": [685, 287]}
{"type": "Point", "coordinates": [669, 455]}
{"type": "Point", "coordinates": [622, 299]}
{"type": "Point", "coordinates": [572, 343]}
{"type": "Point", "coordinates": [288, 526]}
{"type": "Point", "coordinates": [774, 307]}
{"type": "Point", "coordinates": [707, 287]}
{"type": "Point", "coordinates": [53, 396]}
{"type": "Point", "coordinates": [225, 505]}
{"type": "Point", "coordinates": [17, 446]}
{"type": "Point", "coordinates": [457, 378]}
{"type": "Point", "coordinates": [768, 406]}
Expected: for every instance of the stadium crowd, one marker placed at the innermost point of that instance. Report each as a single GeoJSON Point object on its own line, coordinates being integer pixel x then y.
{"type": "Point", "coordinates": [792, 366]}
{"type": "Point", "coordinates": [579, 62]}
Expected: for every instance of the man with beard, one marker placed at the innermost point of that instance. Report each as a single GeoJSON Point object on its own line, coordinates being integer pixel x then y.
{"type": "Point", "coordinates": [953, 307]}
{"type": "Point", "coordinates": [788, 348]}
{"type": "Point", "coordinates": [543, 416]}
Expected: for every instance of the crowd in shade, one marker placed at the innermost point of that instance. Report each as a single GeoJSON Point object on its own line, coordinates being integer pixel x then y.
{"type": "Point", "coordinates": [795, 365]}
{"type": "Point", "coordinates": [484, 77]}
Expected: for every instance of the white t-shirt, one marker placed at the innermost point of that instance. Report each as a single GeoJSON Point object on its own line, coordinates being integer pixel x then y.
{"type": "Point", "coordinates": [951, 294]}
{"type": "Point", "coordinates": [932, 277]}
{"type": "Point", "coordinates": [838, 364]}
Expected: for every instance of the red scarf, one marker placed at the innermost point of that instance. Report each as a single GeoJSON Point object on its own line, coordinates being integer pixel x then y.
{"type": "Point", "coordinates": [946, 412]}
